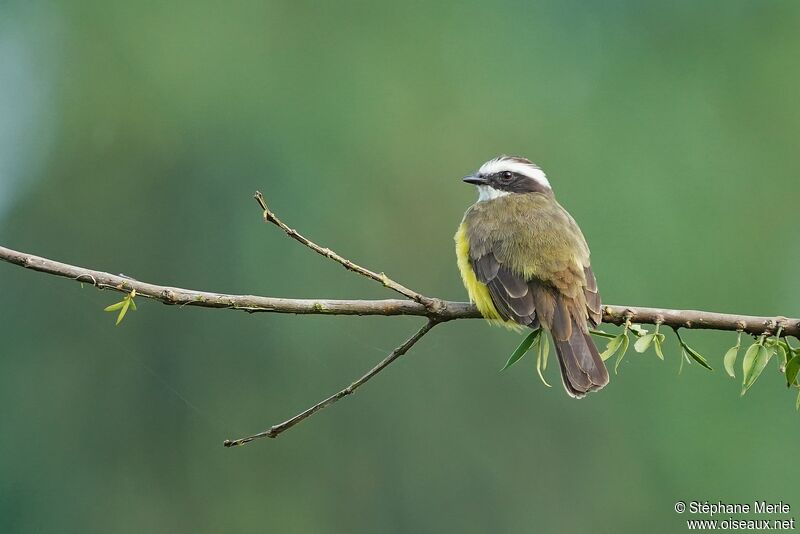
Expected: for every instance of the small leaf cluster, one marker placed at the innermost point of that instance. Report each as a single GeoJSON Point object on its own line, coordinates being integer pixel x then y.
{"type": "Point", "coordinates": [618, 344]}
{"type": "Point", "coordinates": [755, 360]}
{"type": "Point", "coordinates": [531, 341]}
{"type": "Point", "coordinates": [123, 306]}
{"type": "Point", "coordinates": [757, 357]}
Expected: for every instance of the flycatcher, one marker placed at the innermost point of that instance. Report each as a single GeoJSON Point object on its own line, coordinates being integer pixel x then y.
{"type": "Point", "coordinates": [525, 263]}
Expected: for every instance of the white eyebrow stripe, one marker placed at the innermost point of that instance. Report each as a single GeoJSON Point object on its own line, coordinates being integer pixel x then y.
{"type": "Point", "coordinates": [502, 164]}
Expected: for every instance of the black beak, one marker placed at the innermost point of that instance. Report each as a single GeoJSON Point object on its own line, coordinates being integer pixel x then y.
{"type": "Point", "coordinates": [475, 179]}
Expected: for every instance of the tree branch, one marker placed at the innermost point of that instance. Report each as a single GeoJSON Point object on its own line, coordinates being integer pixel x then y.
{"type": "Point", "coordinates": [286, 425]}
{"type": "Point", "coordinates": [436, 310]}
{"type": "Point", "coordinates": [447, 311]}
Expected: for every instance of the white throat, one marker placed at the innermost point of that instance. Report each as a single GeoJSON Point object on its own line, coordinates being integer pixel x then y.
{"type": "Point", "coordinates": [487, 192]}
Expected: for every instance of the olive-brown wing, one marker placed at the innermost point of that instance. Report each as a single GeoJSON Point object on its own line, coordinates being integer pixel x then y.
{"type": "Point", "coordinates": [511, 294]}
{"type": "Point", "coordinates": [593, 305]}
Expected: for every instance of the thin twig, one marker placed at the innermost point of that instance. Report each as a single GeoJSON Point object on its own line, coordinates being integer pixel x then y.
{"type": "Point", "coordinates": [448, 311]}
{"type": "Point", "coordinates": [276, 430]}
{"type": "Point", "coordinates": [269, 216]}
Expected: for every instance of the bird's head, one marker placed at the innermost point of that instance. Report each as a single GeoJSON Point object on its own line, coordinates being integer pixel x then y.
{"type": "Point", "coordinates": [507, 175]}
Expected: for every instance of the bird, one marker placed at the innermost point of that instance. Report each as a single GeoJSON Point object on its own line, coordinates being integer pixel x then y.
{"type": "Point", "coordinates": [525, 264]}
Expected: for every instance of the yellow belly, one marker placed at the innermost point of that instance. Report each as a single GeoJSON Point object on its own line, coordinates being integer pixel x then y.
{"type": "Point", "coordinates": [477, 291]}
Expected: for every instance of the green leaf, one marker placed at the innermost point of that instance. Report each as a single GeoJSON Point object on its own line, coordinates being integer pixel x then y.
{"type": "Point", "coordinates": [115, 306]}
{"type": "Point", "coordinates": [684, 358]}
{"type": "Point", "coordinates": [622, 350]}
{"type": "Point", "coordinates": [123, 306]}
{"type": "Point", "coordinates": [612, 347]}
{"type": "Point", "coordinates": [797, 402]}
{"type": "Point", "coordinates": [541, 360]}
{"type": "Point", "coordinates": [522, 348]}
{"type": "Point", "coordinates": [601, 333]}
{"type": "Point", "coordinates": [637, 329]}
{"type": "Point", "coordinates": [123, 311]}
{"type": "Point", "coordinates": [689, 354]}
{"type": "Point", "coordinates": [644, 342]}
{"type": "Point", "coordinates": [729, 360]}
{"type": "Point", "coordinates": [791, 350]}
{"type": "Point", "coordinates": [545, 346]}
{"type": "Point", "coordinates": [755, 360]}
{"type": "Point", "coordinates": [696, 356]}
{"type": "Point", "coordinates": [792, 369]}
{"type": "Point", "coordinates": [748, 361]}
{"type": "Point", "coordinates": [657, 342]}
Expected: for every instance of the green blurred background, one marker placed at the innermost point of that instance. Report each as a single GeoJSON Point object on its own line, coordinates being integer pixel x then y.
{"type": "Point", "coordinates": [134, 134]}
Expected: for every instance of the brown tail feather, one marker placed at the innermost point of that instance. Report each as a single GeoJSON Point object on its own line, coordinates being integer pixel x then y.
{"type": "Point", "coordinates": [582, 369]}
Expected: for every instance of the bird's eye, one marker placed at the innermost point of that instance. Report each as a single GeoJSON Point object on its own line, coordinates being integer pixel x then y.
{"type": "Point", "coordinates": [506, 176]}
